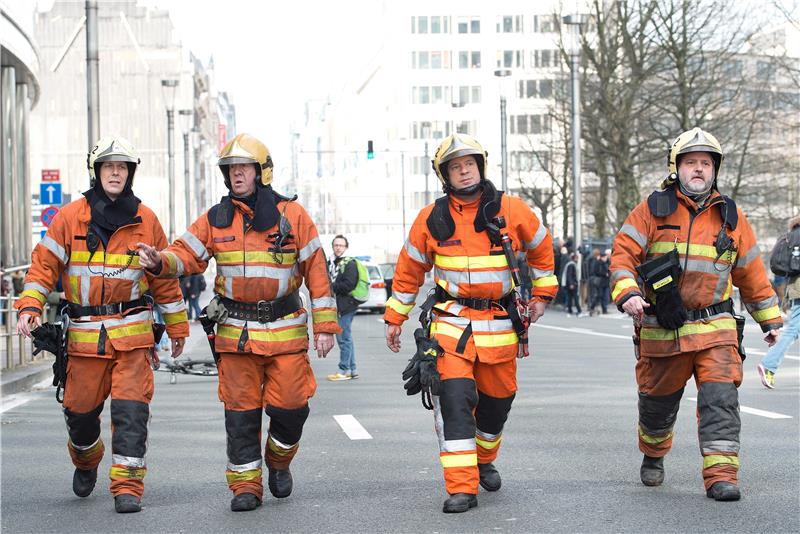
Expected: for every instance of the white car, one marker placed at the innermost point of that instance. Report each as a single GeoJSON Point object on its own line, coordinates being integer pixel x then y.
{"type": "Point", "coordinates": [376, 303]}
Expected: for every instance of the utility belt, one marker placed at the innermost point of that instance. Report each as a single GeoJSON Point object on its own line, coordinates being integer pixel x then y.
{"type": "Point", "coordinates": [475, 303]}
{"type": "Point", "coordinates": [263, 311]}
{"type": "Point", "coordinates": [76, 310]}
{"type": "Point", "coordinates": [726, 306]}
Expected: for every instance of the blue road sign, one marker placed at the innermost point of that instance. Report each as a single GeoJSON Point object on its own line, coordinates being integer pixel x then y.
{"type": "Point", "coordinates": [48, 214]}
{"type": "Point", "coordinates": [42, 234]}
{"type": "Point", "coordinates": [50, 193]}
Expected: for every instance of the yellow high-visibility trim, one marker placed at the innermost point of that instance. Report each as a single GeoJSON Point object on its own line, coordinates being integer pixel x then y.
{"type": "Point", "coordinates": [718, 459]}
{"type": "Point", "coordinates": [34, 293]}
{"type": "Point", "coordinates": [487, 444]}
{"type": "Point", "coordinates": [83, 337]}
{"type": "Point", "coordinates": [653, 440]}
{"type": "Point", "coordinates": [469, 262]}
{"type": "Point", "coordinates": [82, 256]}
{"type": "Point", "coordinates": [75, 297]}
{"type": "Point", "coordinates": [546, 281]}
{"type": "Point", "coordinates": [132, 330]}
{"type": "Point", "coordinates": [727, 294]}
{"type": "Point", "coordinates": [126, 473]}
{"type": "Point", "coordinates": [233, 332]}
{"type": "Point", "coordinates": [238, 257]}
{"type": "Point", "coordinates": [324, 316]}
{"type": "Point", "coordinates": [175, 317]}
{"type": "Point", "coordinates": [765, 315]}
{"type": "Point", "coordinates": [143, 285]}
{"type": "Point", "coordinates": [622, 285]}
{"type": "Point", "coordinates": [399, 307]}
{"type": "Point", "coordinates": [459, 460]}
{"type": "Point", "coordinates": [480, 340]}
{"type": "Point", "coordinates": [705, 251]}
{"type": "Point", "coordinates": [661, 334]}
{"type": "Point", "coordinates": [664, 281]}
{"type": "Point", "coordinates": [172, 264]}
{"type": "Point", "coordinates": [244, 476]}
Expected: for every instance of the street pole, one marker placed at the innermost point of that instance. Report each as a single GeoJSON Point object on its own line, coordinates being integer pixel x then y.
{"type": "Point", "coordinates": [427, 173]}
{"type": "Point", "coordinates": [186, 185]}
{"type": "Point", "coordinates": [171, 156]}
{"type": "Point", "coordinates": [92, 74]}
{"type": "Point", "coordinates": [503, 145]}
{"type": "Point", "coordinates": [403, 188]}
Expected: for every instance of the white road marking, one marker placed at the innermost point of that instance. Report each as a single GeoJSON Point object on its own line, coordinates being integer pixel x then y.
{"type": "Point", "coordinates": [14, 401]}
{"type": "Point", "coordinates": [757, 352]}
{"type": "Point", "coordinates": [582, 331]}
{"type": "Point", "coordinates": [755, 411]}
{"type": "Point", "coordinates": [352, 427]}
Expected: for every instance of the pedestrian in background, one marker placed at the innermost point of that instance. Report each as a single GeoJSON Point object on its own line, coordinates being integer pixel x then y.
{"type": "Point", "coordinates": [569, 283]}
{"type": "Point", "coordinates": [344, 273]}
{"type": "Point", "coordinates": [599, 280]}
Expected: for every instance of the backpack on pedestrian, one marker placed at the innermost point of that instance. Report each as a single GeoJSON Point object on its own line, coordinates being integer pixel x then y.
{"type": "Point", "coordinates": [360, 293]}
{"type": "Point", "coordinates": [785, 257]}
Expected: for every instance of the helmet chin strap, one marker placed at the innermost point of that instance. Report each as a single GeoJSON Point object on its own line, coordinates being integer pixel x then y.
{"type": "Point", "coordinates": [466, 191]}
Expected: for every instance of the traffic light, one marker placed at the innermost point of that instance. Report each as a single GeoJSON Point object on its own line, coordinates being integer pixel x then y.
{"type": "Point", "coordinates": [370, 151]}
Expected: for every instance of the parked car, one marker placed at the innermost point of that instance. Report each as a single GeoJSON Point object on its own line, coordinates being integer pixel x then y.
{"type": "Point", "coordinates": [376, 303]}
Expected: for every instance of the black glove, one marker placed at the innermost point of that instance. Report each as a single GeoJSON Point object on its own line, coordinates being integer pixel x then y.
{"type": "Point", "coordinates": [670, 311]}
{"type": "Point", "coordinates": [661, 275]}
{"type": "Point", "coordinates": [47, 337]}
{"type": "Point", "coordinates": [421, 372]}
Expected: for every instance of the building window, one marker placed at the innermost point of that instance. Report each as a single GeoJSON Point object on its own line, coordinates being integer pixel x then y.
{"type": "Point", "coordinates": [466, 127]}
{"type": "Point", "coordinates": [469, 60]}
{"type": "Point", "coordinates": [509, 24]}
{"type": "Point", "coordinates": [476, 94]}
{"type": "Point", "coordinates": [434, 130]}
{"type": "Point", "coordinates": [469, 25]}
{"type": "Point", "coordinates": [436, 24]}
{"type": "Point", "coordinates": [469, 95]}
{"type": "Point", "coordinates": [545, 24]}
{"type": "Point", "coordinates": [437, 59]}
{"type": "Point", "coordinates": [529, 161]}
{"type": "Point", "coordinates": [546, 88]}
{"type": "Point", "coordinates": [544, 58]}
{"type": "Point", "coordinates": [509, 59]}
{"type": "Point", "coordinates": [529, 124]}
{"type": "Point", "coordinates": [422, 24]}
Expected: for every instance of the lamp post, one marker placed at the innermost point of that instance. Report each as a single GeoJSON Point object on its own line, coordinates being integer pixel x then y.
{"type": "Point", "coordinates": [502, 73]}
{"type": "Point", "coordinates": [168, 87]}
{"type": "Point", "coordinates": [185, 116]}
{"type": "Point", "coordinates": [575, 22]}
{"type": "Point", "coordinates": [426, 166]}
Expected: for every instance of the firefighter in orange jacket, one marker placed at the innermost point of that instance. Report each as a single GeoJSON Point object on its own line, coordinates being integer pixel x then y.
{"type": "Point", "coordinates": [91, 245]}
{"type": "Point", "coordinates": [470, 320]}
{"type": "Point", "coordinates": [689, 245]}
{"type": "Point", "coordinates": [265, 245]}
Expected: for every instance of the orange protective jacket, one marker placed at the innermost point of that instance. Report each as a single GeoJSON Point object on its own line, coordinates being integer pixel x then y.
{"type": "Point", "coordinates": [708, 276]}
{"type": "Point", "coordinates": [468, 265]}
{"type": "Point", "coordinates": [105, 277]}
{"type": "Point", "coordinates": [250, 269]}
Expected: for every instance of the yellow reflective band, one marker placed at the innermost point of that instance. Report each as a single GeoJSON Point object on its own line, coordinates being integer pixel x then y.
{"type": "Point", "coordinates": [33, 293]}
{"type": "Point", "coordinates": [664, 281]}
{"type": "Point", "coordinates": [172, 263]}
{"type": "Point", "coordinates": [324, 316]}
{"type": "Point", "coordinates": [175, 318]}
{"type": "Point", "coordinates": [399, 307]}
{"type": "Point", "coordinates": [727, 294]}
{"type": "Point", "coordinates": [143, 285]}
{"type": "Point", "coordinates": [546, 281]}
{"type": "Point", "coordinates": [126, 473]}
{"type": "Point", "coordinates": [459, 460]}
{"type": "Point", "coordinates": [75, 298]}
{"type": "Point", "coordinates": [660, 334]}
{"type": "Point", "coordinates": [244, 476]}
{"type": "Point", "coordinates": [82, 256]}
{"type": "Point", "coordinates": [132, 330]}
{"type": "Point", "coordinates": [718, 459]}
{"type": "Point", "coordinates": [622, 285]}
{"type": "Point", "coordinates": [278, 450]}
{"type": "Point", "coordinates": [83, 337]}
{"type": "Point", "coordinates": [237, 257]}
{"type": "Point", "coordinates": [705, 251]}
{"type": "Point", "coordinates": [772, 312]}
{"type": "Point", "coordinates": [470, 262]}
{"type": "Point", "coordinates": [487, 444]}
{"type": "Point", "coordinates": [233, 332]}
{"type": "Point", "coordinates": [480, 340]}
{"type": "Point", "coordinates": [653, 440]}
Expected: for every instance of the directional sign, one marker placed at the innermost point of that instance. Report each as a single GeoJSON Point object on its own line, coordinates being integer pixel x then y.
{"type": "Point", "coordinates": [51, 175]}
{"type": "Point", "coordinates": [50, 193]}
{"type": "Point", "coordinates": [48, 214]}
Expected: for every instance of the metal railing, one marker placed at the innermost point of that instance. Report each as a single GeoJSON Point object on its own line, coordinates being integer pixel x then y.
{"type": "Point", "coordinates": [15, 349]}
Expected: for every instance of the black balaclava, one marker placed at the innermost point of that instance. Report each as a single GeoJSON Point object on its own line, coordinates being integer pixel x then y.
{"type": "Point", "coordinates": [111, 214]}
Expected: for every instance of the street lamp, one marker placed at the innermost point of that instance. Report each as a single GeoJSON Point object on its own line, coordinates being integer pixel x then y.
{"type": "Point", "coordinates": [169, 87]}
{"type": "Point", "coordinates": [502, 73]}
{"type": "Point", "coordinates": [185, 116]}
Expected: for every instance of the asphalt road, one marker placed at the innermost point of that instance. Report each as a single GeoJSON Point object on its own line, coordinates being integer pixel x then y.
{"type": "Point", "coordinates": [569, 458]}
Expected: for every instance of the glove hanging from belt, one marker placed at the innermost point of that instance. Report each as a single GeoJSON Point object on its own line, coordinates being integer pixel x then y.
{"type": "Point", "coordinates": [421, 374]}
{"type": "Point", "coordinates": [51, 337]}
{"type": "Point", "coordinates": [661, 276]}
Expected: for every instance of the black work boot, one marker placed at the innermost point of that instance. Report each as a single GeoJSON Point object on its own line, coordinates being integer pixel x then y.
{"type": "Point", "coordinates": [280, 482]}
{"type": "Point", "coordinates": [652, 471]}
{"type": "Point", "coordinates": [83, 481]}
{"type": "Point", "coordinates": [125, 503]}
{"type": "Point", "coordinates": [244, 502]}
{"type": "Point", "coordinates": [459, 502]}
{"type": "Point", "coordinates": [489, 477]}
{"type": "Point", "coordinates": [723, 491]}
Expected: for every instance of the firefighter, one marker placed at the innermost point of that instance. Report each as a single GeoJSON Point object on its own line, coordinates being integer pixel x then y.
{"type": "Point", "coordinates": [265, 246]}
{"type": "Point", "coordinates": [471, 319]}
{"type": "Point", "coordinates": [91, 246]}
{"type": "Point", "coordinates": [689, 245]}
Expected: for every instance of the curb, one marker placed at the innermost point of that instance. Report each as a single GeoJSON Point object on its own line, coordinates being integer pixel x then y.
{"type": "Point", "coordinates": [23, 378]}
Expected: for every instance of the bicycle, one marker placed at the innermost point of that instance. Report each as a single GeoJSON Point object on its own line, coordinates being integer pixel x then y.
{"type": "Point", "coordinates": [188, 367]}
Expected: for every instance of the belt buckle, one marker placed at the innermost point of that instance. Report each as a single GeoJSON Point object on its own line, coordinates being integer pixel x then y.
{"type": "Point", "coordinates": [264, 311]}
{"type": "Point", "coordinates": [705, 313]}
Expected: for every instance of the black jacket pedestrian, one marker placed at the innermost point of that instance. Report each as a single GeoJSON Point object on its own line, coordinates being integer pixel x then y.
{"type": "Point", "coordinates": [343, 284]}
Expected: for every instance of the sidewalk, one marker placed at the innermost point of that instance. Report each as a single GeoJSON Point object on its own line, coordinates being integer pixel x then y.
{"type": "Point", "coordinates": [24, 377]}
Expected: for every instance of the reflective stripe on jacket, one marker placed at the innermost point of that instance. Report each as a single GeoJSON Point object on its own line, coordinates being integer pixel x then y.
{"type": "Point", "coordinates": [708, 277]}
{"type": "Point", "coordinates": [106, 276]}
{"type": "Point", "coordinates": [250, 269]}
{"type": "Point", "coordinates": [468, 265]}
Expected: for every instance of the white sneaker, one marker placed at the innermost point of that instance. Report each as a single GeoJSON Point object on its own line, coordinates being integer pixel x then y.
{"type": "Point", "coordinates": [336, 377]}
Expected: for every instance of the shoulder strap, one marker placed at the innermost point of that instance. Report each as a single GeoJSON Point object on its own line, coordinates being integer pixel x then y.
{"type": "Point", "coordinates": [440, 221]}
{"type": "Point", "coordinates": [221, 215]}
{"type": "Point", "coordinates": [663, 203]}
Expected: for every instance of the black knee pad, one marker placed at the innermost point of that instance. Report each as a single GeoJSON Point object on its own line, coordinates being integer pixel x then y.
{"type": "Point", "coordinates": [287, 425]}
{"type": "Point", "coordinates": [130, 427]}
{"type": "Point", "coordinates": [492, 412]}
{"type": "Point", "coordinates": [457, 399]}
{"type": "Point", "coordinates": [83, 428]}
{"type": "Point", "coordinates": [244, 435]}
{"type": "Point", "coordinates": [657, 414]}
{"type": "Point", "coordinates": [718, 405]}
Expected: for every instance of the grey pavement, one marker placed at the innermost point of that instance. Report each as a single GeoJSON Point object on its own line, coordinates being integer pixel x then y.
{"type": "Point", "coordinates": [569, 458]}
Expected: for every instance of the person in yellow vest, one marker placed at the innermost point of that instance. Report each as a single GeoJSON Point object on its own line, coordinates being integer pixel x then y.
{"type": "Point", "coordinates": [345, 276]}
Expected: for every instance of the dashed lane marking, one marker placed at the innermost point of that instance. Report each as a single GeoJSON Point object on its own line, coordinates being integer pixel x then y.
{"type": "Point", "coordinates": [582, 331]}
{"type": "Point", "coordinates": [755, 411]}
{"type": "Point", "coordinates": [352, 427]}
